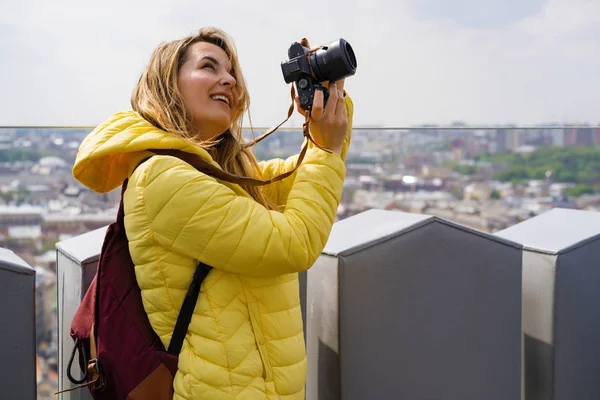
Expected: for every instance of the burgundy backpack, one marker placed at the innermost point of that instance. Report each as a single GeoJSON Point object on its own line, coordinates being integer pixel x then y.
{"type": "Point", "coordinates": [120, 355]}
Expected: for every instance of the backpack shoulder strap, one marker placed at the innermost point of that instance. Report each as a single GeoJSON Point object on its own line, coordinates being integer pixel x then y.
{"type": "Point", "coordinates": [191, 298]}
{"type": "Point", "coordinates": [187, 309]}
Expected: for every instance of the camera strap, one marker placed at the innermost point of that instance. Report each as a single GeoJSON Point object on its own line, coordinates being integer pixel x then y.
{"type": "Point", "coordinates": [290, 112]}
{"type": "Point", "coordinates": [273, 129]}
{"type": "Point", "coordinates": [210, 169]}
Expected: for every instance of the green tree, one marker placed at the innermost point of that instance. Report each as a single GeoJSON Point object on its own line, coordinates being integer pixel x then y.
{"type": "Point", "coordinates": [579, 165]}
{"type": "Point", "coordinates": [13, 155]}
{"type": "Point", "coordinates": [580, 190]}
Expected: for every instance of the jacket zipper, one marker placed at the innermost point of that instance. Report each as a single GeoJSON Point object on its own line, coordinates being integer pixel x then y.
{"type": "Point", "coordinates": [260, 340]}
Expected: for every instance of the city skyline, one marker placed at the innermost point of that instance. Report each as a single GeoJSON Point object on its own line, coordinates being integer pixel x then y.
{"type": "Point", "coordinates": [451, 126]}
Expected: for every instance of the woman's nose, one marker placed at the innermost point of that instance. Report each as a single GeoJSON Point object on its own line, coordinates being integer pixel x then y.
{"type": "Point", "coordinates": [228, 80]}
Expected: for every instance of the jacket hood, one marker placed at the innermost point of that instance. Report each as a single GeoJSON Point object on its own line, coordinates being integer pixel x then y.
{"type": "Point", "coordinates": [110, 153]}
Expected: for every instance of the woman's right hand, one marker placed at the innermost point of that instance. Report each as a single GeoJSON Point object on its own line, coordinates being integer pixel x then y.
{"type": "Point", "coordinates": [328, 123]}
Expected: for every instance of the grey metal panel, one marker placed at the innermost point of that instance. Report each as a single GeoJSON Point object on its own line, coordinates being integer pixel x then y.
{"type": "Point", "coordinates": [369, 228]}
{"type": "Point", "coordinates": [322, 335]}
{"type": "Point", "coordinates": [432, 314]}
{"type": "Point", "coordinates": [17, 328]}
{"type": "Point", "coordinates": [476, 232]}
{"type": "Point", "coordinates": [577, 324]}
{"type": "Point", "coordinates": [302, 277]}
{"type": "Point", "coordinates": [375, 226]}
{"type": "Point", "coordinates": [11, 262]}
{"type": "Point", "coordinates": [555, 230]}
{"type": "Point", "coordinates": [538, 365]}
{"type": "Point", "coordinates": [74, 272]}
{"type": "Point", "coordinates": [539, 277]}
{"type": "Point", "coordinates": [561, 320]}
{"type": "Point", "coordinates": [83, 248]}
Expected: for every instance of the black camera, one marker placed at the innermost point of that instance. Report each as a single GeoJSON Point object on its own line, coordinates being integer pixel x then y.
{"type": "Point", "coordinates": [308, 69]}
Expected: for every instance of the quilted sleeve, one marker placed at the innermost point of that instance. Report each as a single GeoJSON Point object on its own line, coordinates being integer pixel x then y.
{"type": "Point", "coordinates": [194, 215]}
{"type": "Point", "coordinates": [278, 191]}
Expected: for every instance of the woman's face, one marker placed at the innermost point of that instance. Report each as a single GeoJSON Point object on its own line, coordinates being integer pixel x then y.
{"type": "Point", "coordinates": [208, 89]}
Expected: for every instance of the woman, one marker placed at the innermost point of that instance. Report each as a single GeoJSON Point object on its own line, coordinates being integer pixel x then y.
{"type": "Point", "coordinates": [245, 340]}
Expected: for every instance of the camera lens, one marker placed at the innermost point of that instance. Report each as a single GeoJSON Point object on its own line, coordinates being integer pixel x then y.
{"type": "Point", "coordinates": [350, 54]}
{"type": "Point", "coordinates": [334, 61]}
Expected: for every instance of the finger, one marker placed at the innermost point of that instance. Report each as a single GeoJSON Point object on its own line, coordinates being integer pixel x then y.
{"type": "Point", "coordinates": [331, 105]}
{"type": "Point", "coordinates": [340, 84]}
{"type": "Point", "coordinates": [330, 85]}
{"type": "Point", "coordinates": [340, 108]}
{"type": "Point", "coordinates": [304, 42]}
{"type": "Point", "coordinates": [317, 111]}
{"type": "Point", "coordinates": [340, 111]}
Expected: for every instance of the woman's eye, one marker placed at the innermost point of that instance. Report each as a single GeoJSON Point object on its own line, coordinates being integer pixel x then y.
{"type": "Point", "coordinates": [209, 66]}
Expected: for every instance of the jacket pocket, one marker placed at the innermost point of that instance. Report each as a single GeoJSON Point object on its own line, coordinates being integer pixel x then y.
{"type": "Point", "coordinates": [260, 340]}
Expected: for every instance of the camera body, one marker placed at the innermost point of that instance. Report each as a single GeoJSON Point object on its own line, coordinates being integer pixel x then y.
{"type": "Point", "coordinates": [308, 70]}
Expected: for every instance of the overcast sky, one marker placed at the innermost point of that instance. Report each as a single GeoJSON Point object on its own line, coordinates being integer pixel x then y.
{"type": "Point", "coordinates": [75, 62]}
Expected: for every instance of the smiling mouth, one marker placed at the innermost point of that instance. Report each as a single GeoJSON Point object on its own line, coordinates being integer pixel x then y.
{"type": "Point", "coordinates": [221, 99]}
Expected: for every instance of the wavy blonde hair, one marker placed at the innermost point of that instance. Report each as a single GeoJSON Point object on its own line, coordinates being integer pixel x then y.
{"type": "Point", "coordinates": [157, 99]}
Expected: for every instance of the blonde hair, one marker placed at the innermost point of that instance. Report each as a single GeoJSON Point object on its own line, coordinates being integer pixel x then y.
{"type": "Point", "coordinates": [157, 99]}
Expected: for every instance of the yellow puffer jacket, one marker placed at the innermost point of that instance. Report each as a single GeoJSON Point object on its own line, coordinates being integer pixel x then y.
{"type": "Point", "coordinates": [245, 340]}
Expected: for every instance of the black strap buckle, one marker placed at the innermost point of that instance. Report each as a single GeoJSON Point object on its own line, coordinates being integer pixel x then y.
{"type": "Point", "coordinates": [76, 346]}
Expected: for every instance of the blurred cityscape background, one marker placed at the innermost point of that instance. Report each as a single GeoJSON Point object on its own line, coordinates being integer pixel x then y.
{"type": "Point", "coordinates": [487, 178]}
